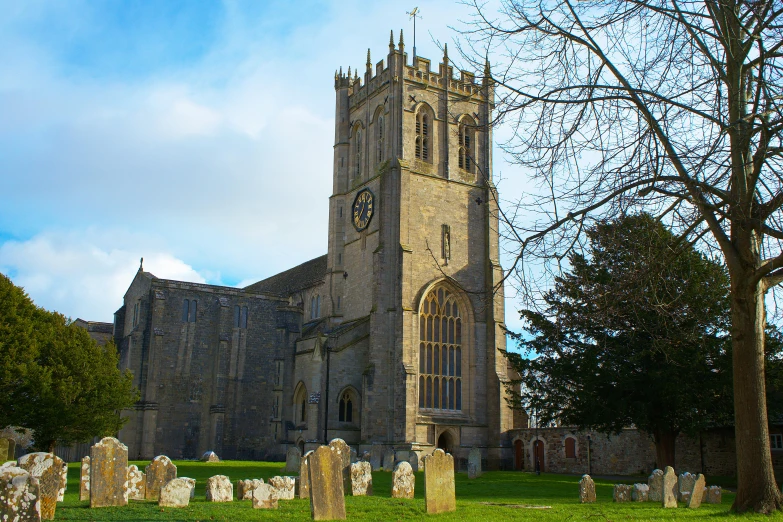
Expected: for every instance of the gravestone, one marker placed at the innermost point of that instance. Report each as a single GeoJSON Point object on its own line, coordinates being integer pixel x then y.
{"type": "Point", "coordinates": [293, 458]}
{"type": "Point", "coordinates": [361, 479]}
{"type": "Point", "coordinates": [669, 491]}
{"type": "Point", "coordinates": [19, 494]}
{"type": "Point", "coordinates": [159, 472]}
{"type": "Point", "coordinates": [63, 482]}
{"type": "Point", "coordinates": [697, 492]}
{"type": "Point", "coordinates": [285, 486]}
{"type": "Point", "coordinates": [685, 486]}
{"type": "Point", "coordinates": [655, 481]}
{"type": "Point", "coordinates": [137, 483]}
{"type": "Point", "coordinates": [354, 456]}
{"type": "Point", "coordinates": [264, 497]}
{"type": "Point", "coordinates": [176, 492]}
{"type": "Point", "coordinates": [403, 481]}
{"type": "Point", "coordinates": [84, 480]}
{"type": "Point", "coordinates": [640, 493]}
{"type": "Point", "coordinates": [365, 456]}
{"type": "Point", "coordinates": [220, 489]}
{"type": "Point", "coordinates": [246, 487]}
{"type": "Point", "coordinates": [210, 456]}
{"type": "Point", "coordinates": [108, 473]}
{"type": "Point", "coordinates": [439, 496]}
{"type": "Point", "coordinates": [388, 460]}
{"type": "Point", "coordinates": [413, 460]}
{"type": "Point", "coordinates": [622, 493]}
{"type": "Point", "coordinates": [714, 495]}
{"type": "Point", "coordinates": [376, 458]}
{"type": "Point", "coordinates": [7, 449]}
{"type": "Point", "coordinates": [326, 484]}
{"type": "Point", "coordinates": [47, 468]}
{"type": "Point", "coordinates": [345, 456]}
{"type": "Point", "coordinates": [586, 490]}
{"type": "Point", "coordinates": [474, 463]}
{"type": "Point", "coordinates": [304, 476]}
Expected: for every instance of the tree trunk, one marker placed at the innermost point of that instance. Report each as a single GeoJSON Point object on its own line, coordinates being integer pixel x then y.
{"type": "Point", "coordinates": [756, 486]}
{"type": "Point", "coordinates": [52, 444]}
{"type": "Point", "coordinates": [664, 448]}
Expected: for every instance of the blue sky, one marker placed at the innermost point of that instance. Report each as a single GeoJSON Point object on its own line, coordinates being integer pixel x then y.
{"type": "Point", "coordinates": [168, 130]}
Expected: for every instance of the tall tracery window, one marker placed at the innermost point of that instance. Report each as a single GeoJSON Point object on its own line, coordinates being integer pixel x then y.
{"type": "Point", "coordinates": [440, 351]}
{"type": "Point", "coordinates": [358, 149]}
{"type": "Point", "coordinates": [466, 140]}
{"type": "Point", "coordinates": [346, 404]}
{"type": "Point", "coordinates": [423, 124]}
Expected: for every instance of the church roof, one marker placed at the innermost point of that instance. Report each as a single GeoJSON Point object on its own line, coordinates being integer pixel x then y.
{"type": "Point", "coordinates": [308, 274]}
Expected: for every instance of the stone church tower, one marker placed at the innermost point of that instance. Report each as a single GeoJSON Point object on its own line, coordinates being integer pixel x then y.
{"type": "Point", "coordinates": [408, 354]}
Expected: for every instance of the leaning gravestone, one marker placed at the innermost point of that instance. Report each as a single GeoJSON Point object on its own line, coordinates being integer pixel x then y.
{"type": "Point", "coordinates": [137, 483]}
{"type": "Point", "coordinates": [176, 492]}
{"type": "Point", "coordinates": [669, 491]}
{"type": "Point", "coordinates": [326, 484]}
{"type": "Point", "coordinates": [388, 460]}
{"type": "Point", "coordinates": [586, 490]}
{"type": "Point", "coordinates": [304, 476]}
{"type": "Point", "coordinates": [293, 458]}
{"type": "Point", "coordinates": [84, 480]}
{"type": "Point", "coordinates": [220, 489]}
{"type": "Point", "coordinates": [474, 463]}
{"type": "Point", "coordinates": [285, 486]}
{"type": "Point", "coordinates": [264, 497]}
{"type": "Point", "coordinates": [697, 492]}
{"type": "Point", "coordinates": [403, 481]}
{"type": "Point", "coordinates": [159, 472]}
{"type": "Point", "coordinates": [361, 479]}
{"type": "Point", "coordinates": [685, 486]}
{"type": "Point", "coordinates": [7, 449]}
{"type": "Point", "coordinates": [655, 481]}
{"type": "Point", "coordinates": [622, 493]}
{"type": "Point", "coordinates": [19, 495]}
{"type": "Point", "coordinates": [246, 487]}
{"type": "Point", "coordinates": [640, 493]}
{"type": "Point", "coordinates": [108, 473]}
{"type": "Point", "coordinates": [345, 457]}
{"type": "Point", "coordinates": [439, 496]}
{"type": "Point", "coordinates": [47, 468]}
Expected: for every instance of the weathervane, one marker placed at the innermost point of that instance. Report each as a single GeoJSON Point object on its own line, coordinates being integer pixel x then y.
{"type": "Point", "coordinates": [414, 14]}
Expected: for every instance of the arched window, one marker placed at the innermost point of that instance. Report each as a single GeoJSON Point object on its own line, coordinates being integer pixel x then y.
{"type": "Point", "coordinates": [440, 351]}
{"type": "Point", "coordinates": [358, 152]}
{"type": "Point", "coordinates": [466, 138]}
{"type": "Point", "coordinates": [347, 403]}
{"type": "Point", "coordinates": [380, 135]}
{"type": "Point", "coordinates": [570, 448]}
{"type": "Point", "coordinates": [423, 134]}
{"type": "Point", "coordinates": [315, 307]}
{"type": "Point", "coordinates": [300, 404]}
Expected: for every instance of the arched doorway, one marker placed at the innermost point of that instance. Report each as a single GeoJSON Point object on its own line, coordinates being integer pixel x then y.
{"type": "Point", "coordinates": [538, 455]}
{"type": "Point", "coordinates": [519, 459]}
{"type": "Point", "coordinates": [445, 442]}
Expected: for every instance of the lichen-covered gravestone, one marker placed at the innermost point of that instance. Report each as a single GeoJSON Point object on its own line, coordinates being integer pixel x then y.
{"type": "Point", "coordinates": [47, 468]}
{"type": "Point", "coordinates": [285, 486]}
{"type": "Point", "coordinates": [7, 449]}
{"type": "Point", "coordinates": [685, 486]}
{"type": "Point", "coordinates": [345, 457]}
{"type": "Point", "coordinates": [640, 493]}
{"type": "Point", "coordinates": [160, 471]}
{"type": "Point", "coordinates": [108, 473]}
{"type": "Point", "coordinates": [655, 481]}
{"type": "Point", "coordinates": [439, 496]}
{"type": "Point", "coordinates": [84, 480]}
{"type": "Point", "coordinates": [264, 497]}
{"type": "Point", "coordinates": [388, 460]}
{"type": "Point", "coordinates": [622, 493]}
{"type": "Point", "coordinates": [176, 492]}
{"type": "Point", "coordinates": [326, 484]}
{"type": "Point", "coordinates": [245, 488]}
{"type": "Point", "coordinates": [18, 495]}
{"type": "Point", "coordinates": [697, 492]}
{"type": "Point", "coordinates": [474, 463]}
{"type": "Point", "coordinates": [220, 489]}
{"type": "Point", "coordinates": [304, 476]}
{"type": "Point", "coordinates": [63, 482]}
{"type": "Point", "coordinates": [361, 479]}
{"type": "Point", "coordinates": [137, 483]}
{"type": "Point", "coordinates": [403, 481]}
{"type": "Point", "coordinates": [293, 459]}
{"type": "Point", "coordinates": [669, 491]}
{"type": "Point", "coordinates": [714, 495]}
{"type": "Point", "coordinates": [586, 490]}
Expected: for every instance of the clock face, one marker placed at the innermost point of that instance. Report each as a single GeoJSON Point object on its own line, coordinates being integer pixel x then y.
{"type": "Point", "coordinates": [363, 209]}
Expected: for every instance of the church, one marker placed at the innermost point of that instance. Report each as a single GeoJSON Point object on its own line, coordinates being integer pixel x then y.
{"type": "Point", "coordinates": [393, 339]}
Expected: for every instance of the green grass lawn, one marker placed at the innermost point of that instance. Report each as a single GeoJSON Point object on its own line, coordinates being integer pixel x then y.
{"type": "Point", "coordinates": [498, 495]}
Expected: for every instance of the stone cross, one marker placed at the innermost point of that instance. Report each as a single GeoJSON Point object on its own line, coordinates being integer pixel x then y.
{"type": "Point", "coordinates": [622, 493]}
{"type": "Point", "coordinates": [345, 457]}
{"type": "Point", "coordinates": [439, 494]}
{"type": "Point", "coordinates": [159, 472]}
{"type": "Point", "coordinates": [245, 488]}
{"type": "Point", "coordinates": [108, 473]}
{"type": "Point", "coordinates": [264, 497]}
{"type": "Point", "coordinates": [326, 484]}
{"type": "Point", "coordinates": [586, 490]}
{"type": "Point", "coordinates": [220, 489]}
{"type": "Point", "coordinates": [669, 491]}
{"type": "Point", "coordinates": [655, 481]}
{"type": "Point", "coordinates": [474, 463]}
{"type": "Point", "coordinates": [84, 480]}
{"type": "Point", "coordinates": [304, 476]}
{"type": "Point", "coordinates": [176, 492]}
{"type": "Point", "coordinates": [293, 459]}
{"type": "Point", "coordinates": [137, 483]}
{"type": "Point", "coordinates": [19, 494]}
{"type": "Point", "coordinates": [47, 468]}
{"type": "Point", "coordinates": [403, 481]}
{"type": "Point", "coordinates": [697, 492]}
{"type": "Point", "coordinates": [361, 479]}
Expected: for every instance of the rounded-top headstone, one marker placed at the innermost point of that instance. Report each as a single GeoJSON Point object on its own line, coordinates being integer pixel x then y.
{"type": "Point", "coordinates": [586, 490]}
{"type": "Point", "coordinates": [293, 459]}
{"type": "Point", "coordinates": [108, 473]}
{"type": "Point", "coordinates": [159, 472]}
{"type": "Point", "coordinates": [403, 480]}
{"type": "Point", "coordinates": [209, 456]}
{"type": "Point", "coordinates": [326, 484]}
{"type": "Point", "coordinates": [439, 496]}
{"type": "Point", "coordinates": [47, 468]}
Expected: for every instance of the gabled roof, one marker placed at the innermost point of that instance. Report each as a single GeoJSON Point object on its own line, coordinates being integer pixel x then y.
{"type": "Point", "coordinates": [309, 273]}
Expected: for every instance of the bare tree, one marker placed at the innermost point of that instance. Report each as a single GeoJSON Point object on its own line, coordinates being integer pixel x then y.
{"type": "Point", "coordinates": [671, 106]}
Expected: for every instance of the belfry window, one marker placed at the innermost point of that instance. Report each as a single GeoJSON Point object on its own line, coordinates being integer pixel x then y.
{"type": "Point", "coordinates": [380, 137]}
{"type": "Point", "coordinates": [466, 139]}
{"type": "Point", "coordinates": [440, 351]}
{"type": "Point", "coordinates": [189, 311]}
{"type": "Point", "coordinates": [423, 123]}
{"type": "Point", "coordinates": [358, 148]}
